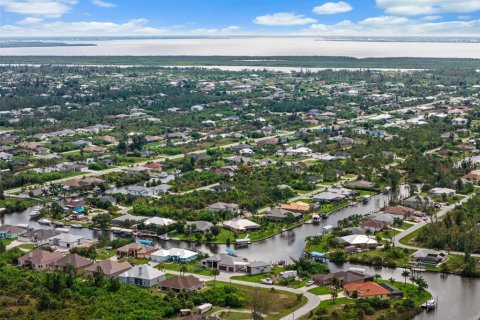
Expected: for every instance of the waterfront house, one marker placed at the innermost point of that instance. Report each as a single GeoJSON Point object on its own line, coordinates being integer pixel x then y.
{"type": "Point", "coordinates": [108, 268]}
{"type": "Point", "coordinates": [173, 254]}
{"type": "Point", "coordinates": [240, 225]}
{"type": "Point", "coordinates": [280, 215]}
{"type": "Point", "coordinates": [179, 283]}
{"type": "Point", "coordinates": [127, 218]}
{"type": "Point", "coordinates": [341, 278]}
{"type": "Point", "coordinates": [399, 210]}
{"type": "Point", "coordinates": [38, 259]}
{"type": "Point", "coordinates": [11, 232]}
{"type": "Point", "coordinates": [258, 267]}
{"type": "Point", "coordinates": [418, 202]}
{"type": "Point", "coordinates": [297, 206]}
{"type": "Point", "coordinates": [361, 184]}
{"type": "Point", "coordinates": [329, 197]}
{"type": "Point", "coordinates": [135, 250]}
{"type": "Point", "coordinates": [201, 226]}
{"type": "Point", "coordinates": [359, 240]}
{"type": "Point", "coordinates": [39, 236]}
{"type": "Point", "coordinates": [143, 276]}
{"type": "Point", "coordinates": [66, 240]}
{"type": "Point", "coordinates": [159, 221]}
{"type": "Point", "coordinates": [367, 289]}
{"type": "Point", "coordinates": [429, 257]}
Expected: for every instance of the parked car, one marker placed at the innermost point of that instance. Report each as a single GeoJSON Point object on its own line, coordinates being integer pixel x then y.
{"type": "Point", "coordinates": [310, 283]}
{"type": "Point", "coordinates": [267, 281]}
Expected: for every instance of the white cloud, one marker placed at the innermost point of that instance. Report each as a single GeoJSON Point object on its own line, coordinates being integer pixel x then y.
{"type": "Point", "coordinates": [427, 7]}
{"type": "Point", "coordinates": [210, 31]}
{"type": "Point", "coordinates": [84, 28]}
{"type": "Point", "coordinates": [29, 20]}
{"type": "Point", "coordinates": [44, 8]}
{"type": "Point", "coordinates": [431, 18]}
{"type": "Point", "coordinates": [396, 26]}
{"type": "Point", "coordinates": [103, 4]}
{"type": "Point", "coordinates": [332, 8]}
{"type": "Point", "coordinates": [283, 19]}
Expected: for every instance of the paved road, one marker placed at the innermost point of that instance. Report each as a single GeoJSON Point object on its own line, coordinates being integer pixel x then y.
{"type": "Point", "coordinates": [13, 191]}
{"type": "Point", "coordinates": [443, 211]}
{"type": "Point", "coordinates": [312, 303]}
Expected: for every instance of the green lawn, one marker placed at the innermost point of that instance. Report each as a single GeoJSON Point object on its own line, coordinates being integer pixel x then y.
{"type": "Point", "coordinates": [410, 291]}
{"type": "Point", "coordinates": [134, 261]}
{"type": "Point", "coordinates": [329, 304]}
{"type": "Point", "coordinates": [405, 226]}
{"type": "Point", "coordinates": [406, 240]}
{"type": "Point", "coordinates": [281, 303]}
{"type": "Point", "coordinates": [7, 241]}
{"type": "Point", "coordinates": [320, 291]}
{"type": "Point", "coordinates": [192, 267]}
{"type": "Point", "coordinates": [386, 257]}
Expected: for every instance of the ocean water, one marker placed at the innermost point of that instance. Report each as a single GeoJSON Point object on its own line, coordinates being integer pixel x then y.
{"type": "Point", "coordinates": [256, 47]}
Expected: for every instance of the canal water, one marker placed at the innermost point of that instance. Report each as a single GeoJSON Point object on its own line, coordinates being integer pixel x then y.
{"type": "Point", "coordinates": [458, 297]}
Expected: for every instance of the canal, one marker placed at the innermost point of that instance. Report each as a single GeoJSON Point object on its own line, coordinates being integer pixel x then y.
{"type": "Point", "coordinates": [458, 297]}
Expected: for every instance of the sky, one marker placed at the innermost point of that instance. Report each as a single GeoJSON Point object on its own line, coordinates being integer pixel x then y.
{"type": "Point", "coordinates": [29, 18]}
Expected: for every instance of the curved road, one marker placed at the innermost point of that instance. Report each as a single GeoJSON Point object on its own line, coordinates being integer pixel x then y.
{"type": "Point", "coordinates": [312, 303]}
{"type": "Point", "coordinates": [443, 211]}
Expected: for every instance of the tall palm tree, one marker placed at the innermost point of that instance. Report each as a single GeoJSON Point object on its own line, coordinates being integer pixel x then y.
{"type": "Point", "coordinates": [405, 275]}
{"type": "Point", "coordinates": [215, 273]}
{"type": "Point", "coordinates": [183, 269]}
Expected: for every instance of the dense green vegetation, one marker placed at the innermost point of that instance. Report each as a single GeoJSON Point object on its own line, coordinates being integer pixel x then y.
{"type": "Point", "coordinates": [297, 61]}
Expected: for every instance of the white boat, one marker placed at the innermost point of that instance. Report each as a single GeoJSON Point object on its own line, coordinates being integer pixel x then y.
{"type": "Point", "coordinates": [430, 304]}
{"type": "Point", "coordinates": [35, 212]}
{"type": "Point", "coordinates": [45, 221]}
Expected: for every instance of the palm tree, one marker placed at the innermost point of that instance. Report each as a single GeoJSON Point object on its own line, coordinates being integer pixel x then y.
{"type": "Point", "coordinates": [334, 295]}
{"type": "Point", "coordinates": [405, 275]}
{"type": "Point", "coordinates": [215, 273]}
{"type": "Point", "coordinates": [377, 276]}
{"type": "Point", "coordinates": [422, 284]}
{"type": "Point", "coordinates": [183, 269]}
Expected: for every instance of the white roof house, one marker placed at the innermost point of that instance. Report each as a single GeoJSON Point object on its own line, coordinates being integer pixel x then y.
{"type": "Point", "coordinates": [441, 191]}
{"type": "Point", "coordinates": [359, 239]}
{"type": "Point", "coordinates": [142, 275]}
{"type": "Point", "coordinates": [241, 224]}
{"type": "Point", "coordinates": [66, 240]}
{"type": "Point", "coordinates": [158, 221]}
{"type": "Point", "coordinates": [175, 254]}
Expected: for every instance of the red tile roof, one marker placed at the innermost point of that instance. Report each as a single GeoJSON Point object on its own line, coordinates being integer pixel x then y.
{"type": "Point", "coordinates": [366, 289]}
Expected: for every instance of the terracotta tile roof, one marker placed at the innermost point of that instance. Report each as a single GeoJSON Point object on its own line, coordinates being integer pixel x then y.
{"type": "Point", "coordinates": [366, 289]}
{"type": "Point", "coordinates": [296, 206]}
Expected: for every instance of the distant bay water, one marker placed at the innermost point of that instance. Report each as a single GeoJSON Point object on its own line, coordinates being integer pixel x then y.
{"type": "Point", "coordinates": [254, 47]}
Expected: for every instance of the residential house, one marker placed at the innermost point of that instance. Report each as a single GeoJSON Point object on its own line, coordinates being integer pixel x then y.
{"type": "Point", "coordinates": [159, 221]}
{"type": "Point", "coordinates": [126, 218]}
{"type": "Point", "coordinates": [399, 210]}
{"type": "Point", "coordinates": [11, 232]}
{"type": "Point", "coordinates": [418, 202]}
{"type": "Point", "coordinates": [367, 289]}
{"type": "Point", "coordinates": [258, 267]}
{"type": "Point", "coordinates": [438, 192]}
{"type": "Point", "coordinates": [361, 184]}
{"type": "Point", "coordinates": [240, 225]}
{"type": "Point", "coordinates": [221, 206]}
{"type": "Point", "coordinates": [143, 276]}
{"type": "Point", "coordinates": [358, 240]}
{"type": "Point", "coordinates": [329, 197]}
{"type": "Point", "coordinates": [429, 257]}
{"type": "Point", "coordinates": [75, 261]}
{"type": "Point", "coordinates": [135, 250]}
{"type": "Point", "coordinates": [341, 278]}
{"type": "Point", "coordinates": [66, 240]}
{"type": "Point", "coordinates": [38, 237]}
{"type": "Point", "coordinates": [38, 259]}
{"type": "Point", "coordinates": [185, 283]}
{"type": "Point", "coordinates": [173, 254]}
{"type": "Point", "coordinates": [201, 226]}
{"type": "Point", "coordinates": [280, 215]}
{"type": "Point", "coordinates": [6, 156]}
{"type": "Point", "coordinates": [225, 262]}
{"type": "Point", "coordinates": [298, 206]}
{"type": "Point", "coordinates": [108, 268]}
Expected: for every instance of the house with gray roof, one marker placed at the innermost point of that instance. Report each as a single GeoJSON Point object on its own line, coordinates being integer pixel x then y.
{"type": "Point", "coordinates": [143, 276]}
{"type": "Point", "coordinates": [282, 215]}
